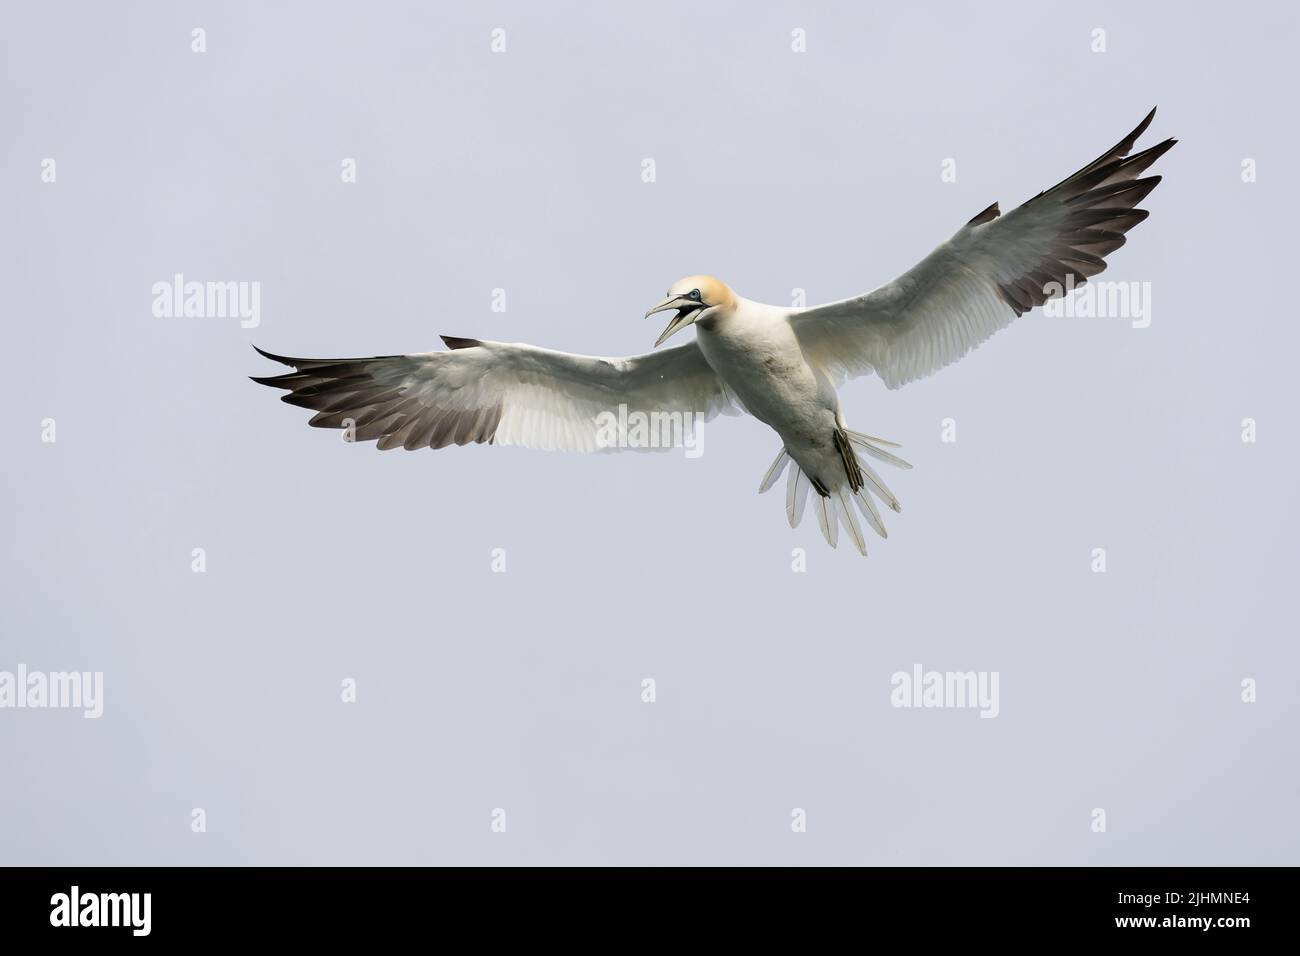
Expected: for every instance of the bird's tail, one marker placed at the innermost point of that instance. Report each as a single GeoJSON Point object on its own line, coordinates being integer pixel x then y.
{"type": "Point", "coordinates": [835, 505]}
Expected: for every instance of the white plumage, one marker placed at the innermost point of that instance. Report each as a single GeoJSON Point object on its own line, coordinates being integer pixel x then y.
{"type": "Point", "coordinates": [780, 365]}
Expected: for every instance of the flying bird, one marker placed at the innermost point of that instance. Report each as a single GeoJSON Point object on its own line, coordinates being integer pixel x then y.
{"type": "Point", "coordinates": [781, 365]}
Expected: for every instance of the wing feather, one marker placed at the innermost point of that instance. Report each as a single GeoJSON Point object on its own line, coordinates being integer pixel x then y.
{"type": "Point", "coordinates": [507, 394]}
{"type": "Point", "coordinates": [994, 269]}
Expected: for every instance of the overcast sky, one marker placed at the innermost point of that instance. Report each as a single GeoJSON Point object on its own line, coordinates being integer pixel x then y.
{"type": "Point", "coordinates": [829, 171]}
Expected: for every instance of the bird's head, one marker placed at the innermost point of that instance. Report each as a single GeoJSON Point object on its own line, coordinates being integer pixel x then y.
{"type": "Point", "coordinates": [694, 298]}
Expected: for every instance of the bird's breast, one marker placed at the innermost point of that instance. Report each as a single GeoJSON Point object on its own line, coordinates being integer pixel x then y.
{"type": "Point", "coordinates": [762, 363]}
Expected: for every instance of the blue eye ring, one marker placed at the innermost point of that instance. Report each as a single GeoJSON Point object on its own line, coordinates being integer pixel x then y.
{"type": "Point", "coordinates": [695, 294]}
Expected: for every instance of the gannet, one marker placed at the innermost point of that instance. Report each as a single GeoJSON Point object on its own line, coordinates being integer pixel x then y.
{"type": "Point", "coordinates": [781, 365]}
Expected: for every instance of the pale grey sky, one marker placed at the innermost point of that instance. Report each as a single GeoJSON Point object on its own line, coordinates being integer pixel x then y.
{"type": "Point", "coordinates": [521, 170]}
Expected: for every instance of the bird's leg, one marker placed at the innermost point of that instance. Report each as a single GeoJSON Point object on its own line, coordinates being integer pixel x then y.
{"type": "Point", "coordinates": [851, 466]}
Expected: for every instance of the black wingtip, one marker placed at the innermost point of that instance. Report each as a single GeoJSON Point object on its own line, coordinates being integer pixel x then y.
{"type": "Point", "coordinates": [1149, 156]}
{"type": "Point", "coordinates": [273, 357]}
{"type": "Point", "coordinates": [453, 342]}
{"type": "Point", "coordinates": [1124, 146]}
{"type": "Point", "coordinates": [986, 215]}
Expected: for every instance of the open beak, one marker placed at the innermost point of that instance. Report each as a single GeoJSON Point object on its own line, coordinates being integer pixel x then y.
{"type": "Point", "coordinates": [686, 309]}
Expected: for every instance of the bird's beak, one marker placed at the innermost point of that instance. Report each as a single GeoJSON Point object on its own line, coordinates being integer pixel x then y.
{"type": "Point", "coordinates": [686, 309]}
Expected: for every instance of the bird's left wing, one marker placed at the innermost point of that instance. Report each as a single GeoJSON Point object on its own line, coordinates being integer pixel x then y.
{"type": "Point", "coordinates": [507, 394]}
{"type": "Point", "coordinates": [994, 269]}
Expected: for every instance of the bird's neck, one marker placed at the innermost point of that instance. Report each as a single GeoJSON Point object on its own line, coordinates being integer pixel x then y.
{"type": "Point", "coordinates": [746, 310]}
{"type": "Point", "coordinates": [722, 314]}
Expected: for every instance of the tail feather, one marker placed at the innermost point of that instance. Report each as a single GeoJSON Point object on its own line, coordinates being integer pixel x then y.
{"type": "Point", "coordinates": [844, 505]}
{"type": "Point", "coordinates": [877, 486]}
{"type": "Point", "coordinates": [834, 504]}
{"type": "Point", "coordinates": [871, 439]}
{"type": "Point", "coordinates": [775, 471]}
{"type": "Point", "coordinates": [796, 495]}
{"type": "Point", "coordinates": [868, 509]}
{"type": "Point", "coordinates": [830, 527]}
{"type": "Point", "coordinates": [879, 454]}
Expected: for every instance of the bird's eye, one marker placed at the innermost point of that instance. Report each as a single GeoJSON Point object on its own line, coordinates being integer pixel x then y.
{"type": "Point", "coordinates": [695, 294]}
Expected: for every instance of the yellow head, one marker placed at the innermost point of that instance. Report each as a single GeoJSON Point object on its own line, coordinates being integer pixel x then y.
{"type": "Point", "coordinates": [694, 298]}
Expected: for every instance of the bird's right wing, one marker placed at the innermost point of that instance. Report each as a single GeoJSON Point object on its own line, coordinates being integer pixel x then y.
{"type": "Point", "coordinates": [508, 394]}
{"type": "Point", "coordinates": [994, 269]}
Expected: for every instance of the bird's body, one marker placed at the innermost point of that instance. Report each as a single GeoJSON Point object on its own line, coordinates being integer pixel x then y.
{"type": "Point", "coordinates": [755, 352]}
{"type": "Point", "coordinates": [781, 365]}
